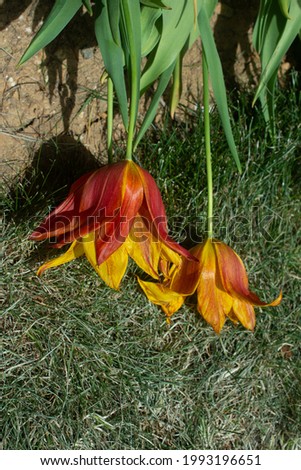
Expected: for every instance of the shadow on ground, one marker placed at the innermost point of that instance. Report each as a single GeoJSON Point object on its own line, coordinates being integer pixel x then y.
{"type": "Point", "coordinates": [48, 177]}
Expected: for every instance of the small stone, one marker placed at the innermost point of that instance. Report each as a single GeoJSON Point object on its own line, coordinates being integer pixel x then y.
{"type": "Point", "coordinates": [87, 53]}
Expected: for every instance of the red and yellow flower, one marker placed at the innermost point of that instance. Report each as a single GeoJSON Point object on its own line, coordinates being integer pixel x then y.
{"type": "Point", "coordinates": [110, 214]}
{"type": "Point", "coordinates": [221, 283]}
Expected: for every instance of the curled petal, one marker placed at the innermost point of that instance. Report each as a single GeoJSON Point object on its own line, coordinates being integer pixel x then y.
{"type": "Point", "coordinates": [60, 219]}
{"type": "Point", "coordinates": [75, 251]}
{"type": "Point", "coordinates": [186, 277]}
{"type": "Point", "coordinates": [234, 276]}
{"type": "Point", "coordinates": [158, 294]}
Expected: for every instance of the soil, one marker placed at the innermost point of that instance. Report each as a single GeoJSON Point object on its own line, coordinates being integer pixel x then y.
{"type": "Point", "coordinates": [57, 99]}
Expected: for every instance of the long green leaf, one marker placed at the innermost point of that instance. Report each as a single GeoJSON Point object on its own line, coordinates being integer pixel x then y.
{"type": "Point", "coordinates": [107, 17]}
{"type": "Point", "coordinates": [60, 15]}
{"type": "Point", "coordinates": [177, 25]}
{"type": "Point", "coordinates": [217, 79]}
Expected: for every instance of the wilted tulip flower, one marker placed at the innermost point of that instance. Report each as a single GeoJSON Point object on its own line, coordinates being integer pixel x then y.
{"type": "Point", "coordinates": [110, 214]}
{"type": "Point", "coordinates": [221, 283]}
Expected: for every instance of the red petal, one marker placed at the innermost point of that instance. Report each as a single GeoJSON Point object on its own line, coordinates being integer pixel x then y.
{"type": "Point", "coordinates": [234, 276]}
{"type": "Point", "coordinates": [60, 219]}
{"type": "Point", "coordinates": [95, 195]}
{"type": "Point", "coordinates": [112, 234]}
{"type": "Point", "coordinates": [153, 209]}
{"type": "Point", "coordinates": [186, 277]}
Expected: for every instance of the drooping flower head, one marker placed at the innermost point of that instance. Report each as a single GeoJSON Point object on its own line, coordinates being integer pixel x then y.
{"type": "Point", "coordinates": [109, 214]}
{"type": "Point", "coordinates": [221, 283]}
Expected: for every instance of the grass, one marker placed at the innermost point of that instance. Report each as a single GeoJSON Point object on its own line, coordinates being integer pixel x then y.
{"type": "Point", "coordinates": [90, 368]}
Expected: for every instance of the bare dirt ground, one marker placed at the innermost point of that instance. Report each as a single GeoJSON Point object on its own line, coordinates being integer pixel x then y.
{"type": "Point", "coordinates": [57, 97]}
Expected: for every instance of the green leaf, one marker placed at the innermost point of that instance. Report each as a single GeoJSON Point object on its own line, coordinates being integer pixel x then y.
{"type": "Point", "coordinates": [217, 79]}
{"type": "Point", "coordinates": [277, 42]}
{"type": "Point", "coordinates": [154, 4]}
{"type": "Point", "coordinates": [152, 108]}
{"type": "Point", "coordinates": [60, 15]}
{"type": "Point", "coordinates": [149, 32]}
{"type": "Point", "coordinates": [284, 7]}
{"type": "Point", "coordinates": [177, 25]}
{"type": "Point", "coordinates": [107, 34]}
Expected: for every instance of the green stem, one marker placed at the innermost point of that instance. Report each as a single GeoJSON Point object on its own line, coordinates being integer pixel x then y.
{"type": "Point", "coordinates": [110, 119]}
{"type": "Point", "coordinates": [134, 77]}
{"type": "Point", "coordinates": [207, 145]}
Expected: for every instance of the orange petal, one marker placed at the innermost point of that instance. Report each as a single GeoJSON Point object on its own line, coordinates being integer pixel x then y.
{"type": "Point", "coordinates": [185, 278]}
{"type": "Point", "coordinates": [234, 276]}
{"type": "Point", "coordinates": [158, 294]}
{"type": "Point", "coordinates": [244, 312]}
{"type": "Point", "coordinates": [214, 303]}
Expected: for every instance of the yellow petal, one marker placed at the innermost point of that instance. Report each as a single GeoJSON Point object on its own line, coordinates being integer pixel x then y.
{"type": "Point", "coordinates": [213, 302]}
{"type": "Point", "coordinates": [168, 257]}
{"type": "Point", "coordinates": [244, 313]}
{"type": "Point", "coordinates": [144, 248]}
{"type": "Point", "coordinates": [158, 294]}
{"type": "Point", "coordinates": [112, 270]}
{"type": "Point", "coordinates": [75, 251]}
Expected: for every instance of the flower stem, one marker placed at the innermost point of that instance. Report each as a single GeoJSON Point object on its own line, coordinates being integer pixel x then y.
{"type": "Point", "coordinates": [110, 119]}
{"type": "Point", "coordinates": [134, 75]}
{"type": "Point", "coordinates": [207, 145]}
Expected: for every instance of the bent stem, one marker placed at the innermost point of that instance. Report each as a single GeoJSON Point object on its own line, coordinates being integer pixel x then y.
{"type": "Point", "coordinates": [207, 145]}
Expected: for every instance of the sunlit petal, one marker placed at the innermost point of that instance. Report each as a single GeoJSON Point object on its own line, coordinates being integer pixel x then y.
{"type": "Point", "coordinates": [143, 248]}
{"type": "Point", "coordinates": [245, 313]}
{"type": "Point", "coordinates": [234, 276]}
{"type": "Point", "coordinates": [158, 294]}
{"type": "Point", "coordinates": [75, 251]}
{"type": "Point", "coordinates": [113, 269]}
{"type": "Point", "coordinates": [185, 279]}
{"type": "Point", "coordinates": [213, 302]}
